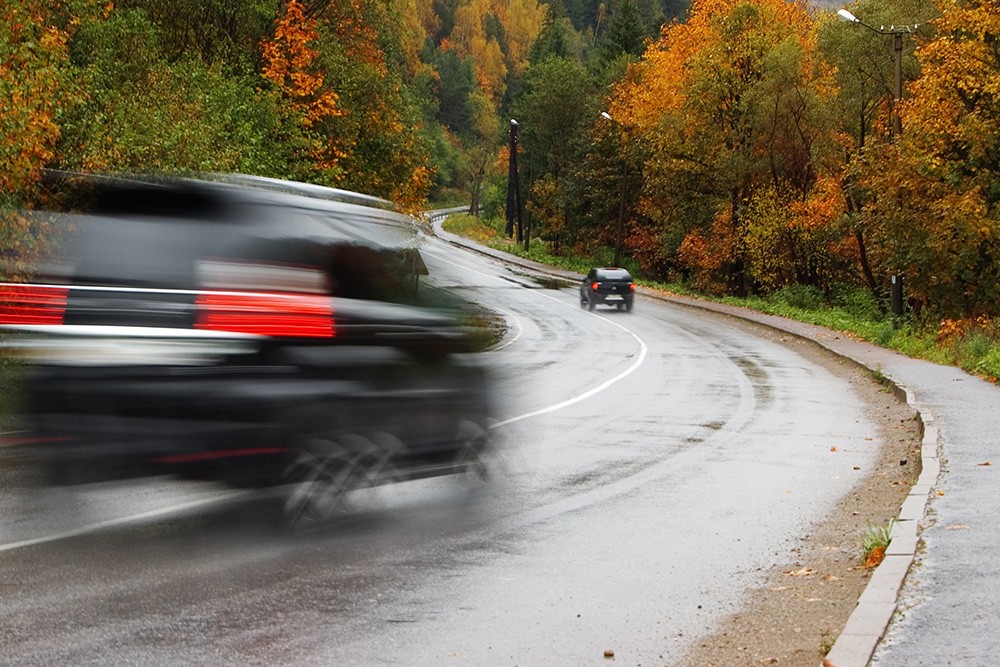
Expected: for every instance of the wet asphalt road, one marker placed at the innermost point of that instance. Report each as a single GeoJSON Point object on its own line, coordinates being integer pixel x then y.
{"type": "Point", "coordinates": [652, 466]}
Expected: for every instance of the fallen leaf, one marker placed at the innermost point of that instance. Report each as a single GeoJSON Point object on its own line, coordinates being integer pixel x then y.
{"type": "Point", "coordinates": [804, 572]}
{"type": "Point", "coordinates": [939, 493]}
{"type": "Point", "coordinates": [833, 449]}
{"type": "Point", "coordinates": [779, 588]}
{"type": "Point", "coordinates": [875, 558]}
{"type": "Point", "coordinates": [958, 526]}
{"type": "Point", "coordinates": [831, 577]}
{"type": "Point", "coordinates": [984, 463]}
{"type": "Point", "coordinates": [609, 653]}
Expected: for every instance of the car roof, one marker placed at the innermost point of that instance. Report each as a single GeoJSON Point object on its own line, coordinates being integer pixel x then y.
{"type": "Point", "coordinates": [613, 273]}
{"type": "Point", "coordinates": [156, 231]}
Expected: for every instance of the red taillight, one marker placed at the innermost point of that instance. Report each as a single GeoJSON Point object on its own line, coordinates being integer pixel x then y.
{"type": "Point", "coordinates": [631, 287]}
{"type": "Point", "coordinates": [594, 286]}
{"type": "Point", "coordinates": [32, 304]}
{"type": "Point", "coordinates": [292, 315]}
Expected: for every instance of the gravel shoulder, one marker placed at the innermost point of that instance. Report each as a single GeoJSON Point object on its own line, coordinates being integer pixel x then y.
{"type": "Point", "coordinates": [795, 617]}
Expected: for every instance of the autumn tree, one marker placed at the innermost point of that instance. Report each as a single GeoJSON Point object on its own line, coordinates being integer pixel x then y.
{"type": "Point", "coordinates": [728, 103]}
{"type": "Point", "coordinates": [35, 86]}
{"type": "Point", "coordinates": [290, 64]}
{"type": "Point", "coordinates": [936, 189]}
{"type": "Point", "coordinates": [861, 113]}
{"type": "Point", "coordinates": [557, 105]}
{"type": "Point", "coordinates": [497, 35]}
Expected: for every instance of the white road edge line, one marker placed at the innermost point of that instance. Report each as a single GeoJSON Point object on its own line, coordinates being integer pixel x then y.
{"type": "Point", "coordinates": [121, 521]}
{"type": "Point", "coordinates": [585, 395]}
{"type": "Point", "coordinates": [590, 392]}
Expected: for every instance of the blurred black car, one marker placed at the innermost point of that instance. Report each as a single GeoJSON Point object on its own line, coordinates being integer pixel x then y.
{"type": "Point", "coordinates": [611, 286]}
{"type": "Point", "coordinates": [248, 335]}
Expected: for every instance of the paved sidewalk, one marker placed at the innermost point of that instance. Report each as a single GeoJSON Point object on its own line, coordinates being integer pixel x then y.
{"type": "Point", "coordinates": [947, 610]}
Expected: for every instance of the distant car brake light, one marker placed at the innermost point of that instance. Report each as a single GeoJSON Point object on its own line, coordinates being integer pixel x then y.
{"type": "Point", "coordinates": [266, 314]}
{"type": "Point", "coordinates": [594, 286]}
{"type": "Point", "coordinates": [631, 287]}
{"type": "Point", "coordinates": [32, 304]}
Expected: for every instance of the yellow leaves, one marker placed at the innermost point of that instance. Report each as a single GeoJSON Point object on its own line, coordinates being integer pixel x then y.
{"type": "Point", "coordinates": [33, 54]}
{"type": "Point", "coordinates": [289, 64]}
{"type": "Point", "coordinates": [522, 22]}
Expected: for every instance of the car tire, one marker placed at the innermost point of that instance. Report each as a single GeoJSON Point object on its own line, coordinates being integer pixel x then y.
{"type": "Point", "coordinates": [590, 304]}
{"type": "Point", "coordinates": [472, 461]}
{"type": "Point", "coordinates": [628, 306]}
{"type": "Point", "coordinates": [324, 476]}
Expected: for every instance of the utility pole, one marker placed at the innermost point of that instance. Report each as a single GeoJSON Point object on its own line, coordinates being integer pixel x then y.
{"type": "Point", "coordinates": [897, 32]}
{"type": "Point", "coordinates": [513, 188]}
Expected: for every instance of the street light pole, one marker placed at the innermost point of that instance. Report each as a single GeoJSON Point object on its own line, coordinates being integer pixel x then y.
{"type": "Point", "coordinates": [897, 32]}
{"type": "Point", "coordinates": [621, 200]}
{"type": "Point", "coordinates": [513, 186]}
{"type": "Point", "coordinates": [897, 47]}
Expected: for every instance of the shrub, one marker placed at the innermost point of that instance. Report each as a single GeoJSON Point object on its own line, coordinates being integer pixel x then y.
{"type": "Point", "coordinates": [804, 297]}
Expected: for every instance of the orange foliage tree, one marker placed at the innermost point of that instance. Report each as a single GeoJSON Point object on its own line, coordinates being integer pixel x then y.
{"type": "Point", "coordinates": [729, 107]}
{"type": "Point", "coordinates": [938, 186]}
{"type": "Point", "coordinates": [290, 64]}
{"type": "Point", "coordinates": [34, 86]}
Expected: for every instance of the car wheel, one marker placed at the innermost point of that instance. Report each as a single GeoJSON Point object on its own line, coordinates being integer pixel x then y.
{"type": "Point", "coordinates": [327, 479]}
{"type": "Point", "coordinates": [590, 304]}
{"type": "Point", "coordinates": [628, 306]}
{"type": "Point", "coordinates": [471, 462]}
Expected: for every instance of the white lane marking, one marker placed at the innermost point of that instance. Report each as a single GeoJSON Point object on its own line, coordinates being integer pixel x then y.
{"type": "Point", "coordinates": [643, 349]}
{"type": "Point", "coordinates": [120, 521]}
{"type": "Point", "coordinates": [437, 255]}
{"type": "Point", "coordinates": [512, 317]}
{"type": "Point", "coordinates": [518, 331]}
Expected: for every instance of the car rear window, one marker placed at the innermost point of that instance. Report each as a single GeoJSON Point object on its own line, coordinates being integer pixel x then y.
{"type": "Point", "coordinates": [613, 274]}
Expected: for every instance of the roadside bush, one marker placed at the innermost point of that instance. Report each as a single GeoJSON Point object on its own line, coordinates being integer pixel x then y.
{"type": "Point", "coordinates": [855, 301]}
{"type": "Point", "coordinates": [804, 297]}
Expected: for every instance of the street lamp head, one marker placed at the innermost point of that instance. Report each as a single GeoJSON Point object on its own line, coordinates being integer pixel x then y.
{"type": "Point", "coordinates": [606, 116]}
{"type": "Point", "coordinates": [845, 15]}
{"type": "Point", "coordinates": [513, 122]}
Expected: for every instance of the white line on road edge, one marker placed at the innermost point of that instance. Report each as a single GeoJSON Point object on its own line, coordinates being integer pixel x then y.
{"type": "Point", "coordinates": [585, 395]}
{"type": "Point", "coordinates": [121, 521]}
{"type": "Point", "coordinates": [591, 392]}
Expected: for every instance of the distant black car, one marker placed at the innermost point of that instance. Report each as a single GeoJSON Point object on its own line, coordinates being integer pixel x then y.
{"type": "Point", "coordinates": [611, 286]}
{"type": "Point", "coordinates": [239, 334]}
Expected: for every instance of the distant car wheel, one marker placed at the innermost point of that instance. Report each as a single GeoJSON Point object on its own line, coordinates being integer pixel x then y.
{"type": "Point", "coordinates": [628, 306]}
{"type": "Point", "coordinates": [590, 304]}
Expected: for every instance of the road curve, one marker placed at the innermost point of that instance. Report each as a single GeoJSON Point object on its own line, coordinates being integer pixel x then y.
{"type": "Point", "coordinates": [653, 465]}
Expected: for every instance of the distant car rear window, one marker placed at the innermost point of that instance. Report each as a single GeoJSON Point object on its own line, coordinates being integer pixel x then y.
{"type": "Point", "coordinates": [613, 274]}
